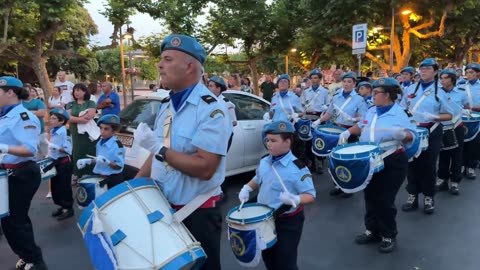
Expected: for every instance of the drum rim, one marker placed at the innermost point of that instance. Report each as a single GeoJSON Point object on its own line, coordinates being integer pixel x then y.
{"type": "Point", "coordinates": [319, 130]}
{"type": "Point", "coordinates": [89, 177]}
{"type": "Point", "coordinates": [3, 173]}
{"type": "Point", "coordinates": [350, 156]}
{"type": "Point", "coordinates": [249, 220]}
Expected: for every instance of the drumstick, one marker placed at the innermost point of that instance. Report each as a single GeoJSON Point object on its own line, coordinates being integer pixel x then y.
{"type": "Point", "coordinates": [90, 156]}
{"type": "Point", "coordinates": [241, 205]}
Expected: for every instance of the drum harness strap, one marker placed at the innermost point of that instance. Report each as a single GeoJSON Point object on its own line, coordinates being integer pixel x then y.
{"type": "Point", "coordinates": [383, 144]}
{"type": "Point", "coordinates": [469, 94]}
{"type": "Point", "coordinates": [283, 106]}
{"type": "Point", "coordinates": [282, 183]}
{"type": "Point", "coordinates": [307, 106]}
{"type": "Point", "coordinates": [340, 109]}
{"type": "Point", "coordinates": [414, 110]}
{"type": "Point", "coordinates": [194, 204]}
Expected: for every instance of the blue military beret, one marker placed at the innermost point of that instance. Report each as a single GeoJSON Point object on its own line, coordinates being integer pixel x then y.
{"type": "Point", "coordinates": [461, 81]}
{"type": "Point", "coordinates": [429, 62]}
{"type": "Point", "coordinates": [408, 69]}
{"type": "Point", "coordinates": [61, 112]}
{"type": "Point", "coordinates": [449, 71]}
{"type": "Point", "coordinates": [315, 72]}
{"type": "Point", "coordinates": [109, 119]}
{"type": "Point", "coordinates": [416, 74]}
{"type": "Point", "coordinates": [474, 66]}
{"type": "Point", "coordinates": [282, 77]}
{"type": "Point", "coordinates": [350, 75]}
{"type": "Point", "coordinates": [367, 84]}
{"type": "Point", "coordinates": [10, 81]}
{"type": "Point", "coordinates": [186, 44]}
{"type": "Point", "coordinates": [218, 80]}
{"type": "Point", "coordinates": [279, 127]}
{"type": "Point", "coordinates": [385, 82]}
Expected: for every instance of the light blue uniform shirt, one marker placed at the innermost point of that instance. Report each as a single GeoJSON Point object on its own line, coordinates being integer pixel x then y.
{"type": "Point", "coordinates": [385, 125]}
{"type": "Point", "coordinates": [429, 104]}
{"type": "Point", "coordinates": [112, 150]}
{"type": "Point", "coordinates": [197, 124]}
{"type": "Point", "coordinates": [20, 127]}
{"type": "Point", "coordinates": [475, 93]}
{"type": "Point", "coordinates": [291, 104]}
{"type": "Point", "coordinates": [296, 180]}
{"type": "Point", "coordinates": [457, 99]}
{"type": "Point", "coordinates": [59, 138]}
{"type": "Point", "coordinates": [355, 107]}
{"type": "Point", "coordinates": [313, 100]}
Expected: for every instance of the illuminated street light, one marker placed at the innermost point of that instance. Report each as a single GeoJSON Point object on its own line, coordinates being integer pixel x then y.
{"type": "Point", "coordinates": [392, 32]}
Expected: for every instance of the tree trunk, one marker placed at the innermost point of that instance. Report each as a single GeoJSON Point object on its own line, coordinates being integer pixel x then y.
{"type": "Point", "coordinates": [38, 64]}
{"type": "Point", "coordinates": [252, 64]}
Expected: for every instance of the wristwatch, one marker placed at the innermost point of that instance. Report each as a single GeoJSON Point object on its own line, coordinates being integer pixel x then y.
{"type": "Point", "coordinates": [160, 156]}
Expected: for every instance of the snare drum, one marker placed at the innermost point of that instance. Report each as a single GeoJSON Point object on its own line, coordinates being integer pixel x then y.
{"type": "Point", "coordinates": [419, 144]}
{"type": "Point", "coordinates": [352, 165]}
{"type": "Point", "coordinates": [471, 125]}
{"type": "Point", "coordinates": [449, 138]}
{"type": "Point", "coordinates": [4, 205]}
{"type": "Point", "coordinates": [137, 221]}
{"type": "Point", "coordinates": [303, 127]}
{"type": "Point", "coordinates": [47, 169]}
{"type": "Point", "coordinates": [89, 189]}
{"type": "Point", "coordinates": [325, 138]}
{"type": "Point", "coordinates": [250, 230]}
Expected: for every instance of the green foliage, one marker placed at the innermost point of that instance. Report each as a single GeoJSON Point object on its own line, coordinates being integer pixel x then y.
{"type": "Point", "coordinates": [151, 44]}
{"type": "Point", "coordinates": [109, 63]}
{"type": "Point", "coordinates": [148, 67]}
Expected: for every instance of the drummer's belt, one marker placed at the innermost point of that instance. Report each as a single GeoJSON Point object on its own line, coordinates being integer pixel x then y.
{"type": "Point", "coordinates": [430, 126]}
{"type": "Point", "coordinates": [210, 203]}
{"type": "Point", "coordinates": [476, 109]}
{"type": "Point", "coordinates": [344, 126]}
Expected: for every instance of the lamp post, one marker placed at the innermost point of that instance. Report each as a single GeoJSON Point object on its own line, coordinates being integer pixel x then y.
{"type": "Point", "coordinates": [392, 32]}
{"type": "Point", "coordinates": [286, 59]}
{"type": "Point", "coordinates": [122, 60]}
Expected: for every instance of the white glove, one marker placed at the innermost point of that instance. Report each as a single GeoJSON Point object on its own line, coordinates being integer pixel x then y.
{"type": "Point", "coordinates": [399, 134]}
{"type": "Point", "coordinates": [244, 193]}
{"type": "Point", "coordinates": [289, 199]}
{"type": "Point", "coordinates": [266, 116]}
{"type": "Point", "coordinates": [3, 148]}
{"type": "Point", "coordinates": [82, 163]}
{"type": "Point", "coordinates": [344, 137]}
{"type": "Point", "coordinates": [466, 112]}
{"type": "Point", "coordinates": [430, 117]}
{"type": "Point", "coordinates": [295, 117]}
{"type": "Point", "coordinates": [147, 139]}
{"type": "Point", "coordinates": [102, 160]}
{"type": "Point", "coordinates": [53, 146]}
{"type": "Point", "coordinates": [315, 124]}
{"type": "Point", "coordinates": [324, 108]}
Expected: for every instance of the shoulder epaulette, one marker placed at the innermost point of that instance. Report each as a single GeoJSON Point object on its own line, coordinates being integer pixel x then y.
{"type": "Point", "coordinates": [461, 88]}
{"type": "Point", "coordinates": [24, 116]}
{"type": "Point", "coordinates": [165, 100]}
{"type": "Point", "coordinates": [264, 156]}
{"type": "Point", "coordinates": [300, 164]}
{"type": "Point", "coordinates": [208, 99]}
{"type": "Point", "coordinates": [119, 143]}
{"type": "Point", "coordinates": [408, 113]}
{"type": "Point", "coordinates": [226, 99]}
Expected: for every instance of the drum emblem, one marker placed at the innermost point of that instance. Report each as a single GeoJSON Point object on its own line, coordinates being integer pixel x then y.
{"type": "Point", "coordinates": [304, 129]}
{"type": "Point", "coordinates": [319, 144]}
{"type": "Point", "coordinates": [466, 129]}
{"type": "Point", "coordinates": [82, 194]}
{"type": "Point", "coordinates": [238, 246]}
{"type": "Point", "coordinates": [343, 173]}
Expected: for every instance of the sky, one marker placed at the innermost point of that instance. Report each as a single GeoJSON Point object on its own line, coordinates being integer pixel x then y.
{"type": "Point", "coordinates": [143, 24]}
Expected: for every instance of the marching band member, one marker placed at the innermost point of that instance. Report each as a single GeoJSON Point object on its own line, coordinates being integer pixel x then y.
{"type": "Point", "coordinates": [300, 191]}
{"type": "Point", "coordinates": [315, 101]}
{"type": "Point", "coordinates": [346, 107]}
{"type": "Point", "coordinates": [428, 106]}
{"type": "Point", "coordinates": [407, 78]}
{"type": "Point", "coordinates": [60, 149]}
{"type": "Point", "coordinates": [387, 122]}
{"type": "Point", "coordinates": [217, 85]}
{"type": "Point", "coordinates": [19, 138]}
{"type": "Point", "coordinates": [188, 160]}
{"type": "Point", "coordinates": [110, 153]}
{"type": "Point", "coordinates": [285, 104]}
{"type": "Point", "coordinates": [472, 148]}
{"type": "Point", "coordinates": [365, 90]}
{"type": "Point", "coordinates": [450, 161]}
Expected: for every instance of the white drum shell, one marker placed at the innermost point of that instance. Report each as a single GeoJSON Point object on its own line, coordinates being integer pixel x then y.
{"type": "Point", "coordinates": [4, 205]}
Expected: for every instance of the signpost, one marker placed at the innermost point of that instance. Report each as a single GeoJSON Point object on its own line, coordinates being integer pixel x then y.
{"type": "Point", "coordinates": [359, 43]}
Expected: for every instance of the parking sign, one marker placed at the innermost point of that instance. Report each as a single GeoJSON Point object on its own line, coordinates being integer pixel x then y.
{"type": "Point", "coordinates": [359, 37]}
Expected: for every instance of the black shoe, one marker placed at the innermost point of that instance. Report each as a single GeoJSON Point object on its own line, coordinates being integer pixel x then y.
{"type": "Point", "coordinates": [20, 265]}
{"type": "Point", "coordinates": [367, 237]}
{"type": "Point", "coordinates": [335, 191]}
{"type": "Point", "coordinates": [57, 212]}
{"type": "Point", "coordinates": [443, 186]}
{"type": "Point", "coordinates": [66, 213]}
{"type": "Point", "coordinates": [387, 245]}
{"type": "Point", "coordinates": [36, 266]}
{"type": "Point", "coordinates": [411, 204]}
{"type": "Point", "coordinates": [429, 205]}
{"type": "Point", "coordinates": [454, 189]}
{"type": "Point", "coordinates": [470, 173]}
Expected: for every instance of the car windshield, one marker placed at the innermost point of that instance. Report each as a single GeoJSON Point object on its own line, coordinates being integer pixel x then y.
{"type": "Point", "coordinates": [248, 107]}
{"type": "Point", "coordinates": [144, 110]}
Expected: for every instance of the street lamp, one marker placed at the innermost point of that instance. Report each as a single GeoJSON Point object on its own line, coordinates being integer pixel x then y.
{"type": "Point", "coordinates": [127, 36]}
{"type": "Point", "coordinates": [392, 32]}
{"type": "Point", "coordinates": [286, 59]}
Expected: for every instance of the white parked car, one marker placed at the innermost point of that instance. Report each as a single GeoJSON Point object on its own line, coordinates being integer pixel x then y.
{"type": "Point", "coordinates": [246, 149]}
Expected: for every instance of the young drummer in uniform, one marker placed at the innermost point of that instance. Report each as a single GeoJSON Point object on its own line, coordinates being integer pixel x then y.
{"type": "Point", "coordinates": [300, 191]}
{"type": "Point", "coordinates": [428, 105]}
{"type": "Point", "coordinates": [450, 161]}
{"type": "Point", "coordinates": [365, 90]}
{"type": "Point", "coordinates": [472, 148]}
{"type": "Point", "coordinates": [385, 123]}
{"type": "Point", "coordinates": [60, 149]}
{"type": "Point", "coordinates": [285, 104]}
{"type": "Point", "coordinates": [110, 152]}
{"type": "Point", "coordinates": [407, 80]}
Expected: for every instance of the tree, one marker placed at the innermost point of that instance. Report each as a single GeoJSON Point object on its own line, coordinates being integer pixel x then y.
{"type": "Point", "coordinates": [109, 63]}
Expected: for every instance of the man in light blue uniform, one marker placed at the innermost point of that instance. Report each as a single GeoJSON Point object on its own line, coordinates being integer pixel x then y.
{"type": "Point", "coordinates": [364, 89]}
{"type": "Point", "coordinates": [450, 159]}
{"type": "Point", "coordinates": [472, 148]}
{"type": "Point", "coordinates": [285, 104]}
{"type": "Point", "coordinates": [407, 80]}
{"type": "Point", "coordinates": [19, 138]}
{"type": "Point", "coordinates": [189, 144]}
{"type": "Point", "coordinates": [429, 106]}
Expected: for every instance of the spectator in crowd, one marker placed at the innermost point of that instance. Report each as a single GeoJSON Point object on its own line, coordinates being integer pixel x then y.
{"type": "Point", "coordinates": [246, 87]}
{"type": "Point", "coordinates": [333, 87]}
{"type": "Point", "coordinates": [234, 82]}
{"type": "Point", "coordinates": [152, 87]}
{"type": "Point", "coordinates": [38, 108]}
{"type": "Point", "coordinates": [55, 100]}
{"type": "Point", "coordinates": [109, 102]}
{"type": "Point", "coordinates": [267, 88]}
{"type": "Point", "coordinates": [65, 86]}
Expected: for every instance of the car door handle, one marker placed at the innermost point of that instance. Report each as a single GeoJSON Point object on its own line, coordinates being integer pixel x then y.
{"type": "Point", "coordinates": [249, 127]}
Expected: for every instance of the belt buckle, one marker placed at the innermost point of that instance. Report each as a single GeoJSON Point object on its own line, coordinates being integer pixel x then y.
{"type": "Point", "coordinates": [9, 172]}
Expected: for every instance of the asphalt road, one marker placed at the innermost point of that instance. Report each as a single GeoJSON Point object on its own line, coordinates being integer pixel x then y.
{"type": "Point", "coordinates": [447, 240]}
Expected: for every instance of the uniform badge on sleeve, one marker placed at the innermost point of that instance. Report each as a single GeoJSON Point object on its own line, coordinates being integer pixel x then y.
{"type": "Point", "coordinates": [305, 177]}
{"type": "Point", "coordinates": [24, 116]}
{"type": "Point", "coordinates": [215, 112]}
{"type": "Point", "coordinates": [30, 127]}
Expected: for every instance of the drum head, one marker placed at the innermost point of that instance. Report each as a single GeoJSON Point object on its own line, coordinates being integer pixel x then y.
{"type": "Point", "coordinates": [354, 149]}
{"type": "Point", "coordinates": [250, 213]}
{"type": "Point", "coordinates": [90, 179]}
{"type": "Point", "coordinates": [330, 130]}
